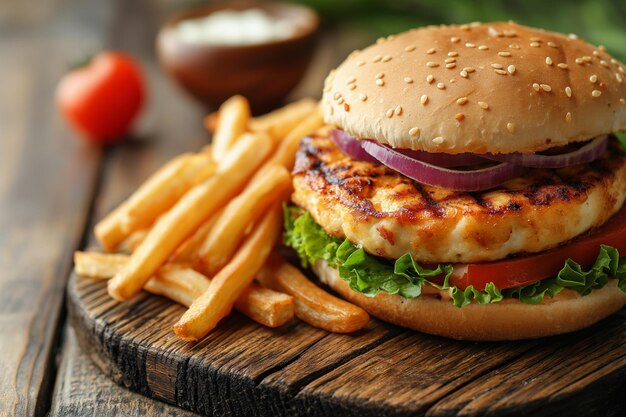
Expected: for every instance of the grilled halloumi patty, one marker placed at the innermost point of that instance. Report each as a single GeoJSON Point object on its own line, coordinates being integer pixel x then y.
{"type": "Point", "coordinates": [389, 214]}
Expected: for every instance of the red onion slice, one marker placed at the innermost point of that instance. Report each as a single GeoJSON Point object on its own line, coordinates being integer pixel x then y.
{"type": "Point", "coordinates": [589, 152]}
{"type": "Point", "coordinates": [443, 159]}
{"type": "Point", "coordinates": [351, 146]}
{"type": "Point", "coordinates": [477, 180]}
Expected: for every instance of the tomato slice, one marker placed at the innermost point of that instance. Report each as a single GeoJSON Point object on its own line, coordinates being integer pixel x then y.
{"type": "Point", "coordinates": [526, 269]}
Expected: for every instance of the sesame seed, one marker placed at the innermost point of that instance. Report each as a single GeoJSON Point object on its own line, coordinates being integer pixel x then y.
{"type": "Point", "coordinates": [553, 45]}
{"type": "Point", "coordinates": [509, 33]}
{"type": "Point", "coordinates": [380, 82]}
{"type": "Point", "coordinates": [483, 105]}
{"type": "Point", "coordinates": [459, 117]}
{"type": "Point", "coordinates": [593, 78]}
{"type": "Point", "coordinates": [535, 39]}
{"type": "Point", "coordinates": [562, 65]}
{"type": "Point", "coordinates": [346, 107]}
{"type": "Point", "coordinates": [362, 97]}
{"type": "Point", "coordinates": [432, 64]}
{"type": "Point", "coordinates": [536, 87]}
{"type": "Point", "coordinates": [469, 69]}
{"type": "Point", "coordinates": [596, 53]}
{"type": "Point", "coordinates": [587, 58]}
{"type": "Point", "coordinates": [579, 61]}
{"type": "Point", "coordinates": [602, 48]}
{"type": "Point", "coordinates": [380, 40]}
{"type": "Point", "coordinates": [389, 113]}
{"type": "Point", "coordinates": [449, 60]}
{"type": "Point", "coordinates": [438, 140]}
{"type": "Point", "coordinates": [572, 36]}
{"type": "Point", "coordinates": [360, 63]}
{"type": "Point", "coordinates": [622, 100]}
{"type": "Point", "coordinates": [568, 117]}
{"type": "Point", "coordinates": [510, 127]}
{"type": "Point", "coordinates": [377, 58]}
{"type": "Point", "coordinates": [399, 110]}
{"type": "Point", "coordinates": [332, 110]}
{"type": "Point", "coordinates": [454, 39]}
{"type": "Point", "coordinates": [410, 48]}
{"type": "Point", "coordinates": [464, 27]}
{"type": "Point", "coordinates": [424, 99]}
{"type": "Point", "coordinates": [470, 45]}
{"type": "Point", "coordinates": [500, 72]}
{"type": "Point", "coordinates": [483, 48]}
{"type": "Point", "coordinates": [496, 66]}
{"type": "Point", "coordinates": [351, 80]}
{"type": "Point", "coordinates": [514, 46]}
{"type": "Point", "coordinates": [568, 91]}
{"type": "Point", "coordinates": [391, 37]}
{"type": "Point", "coordinates": [340, 101]}
{"type": "Point", "coordinates": [545, 87]}
{"type": "Point", "coordinates": [408, 80]}
{"type": "Point", "coordinates": [461, 101]}
{"type": "Point", "coordinates": [453, 54]}
{"type": "Point", "coordinates": [596, 93]}
{"type": "Point", "coordinates": [621, 69]}
{"type": "Point", "coordinates": [535, 44]}
{"type": "Point", "coordinates": [548, 60]}
{"type": "Point", "coordinates": [386, 58]}
{"type": "Point", "coordinates": [613, 61]}
{"type": "Point", "coordinates": [336, 95]}
{"type": "Point", "coordinates": [604, 63]}
{"type": "Point", "coordinates": [504, 54]}
{"type": "Point", "coordinates": [352, 86]}
{"type": "Point", "coordinates": [464, 74]}
{"type": "Point", "coordinates": [451, 65]}
{"type": "Point", "coordinates": [430, 79]}
{"type": "Point", "coordinates": [511, 69]}
{"type": "Point", "coordinates": [618, 77]}
{"type": "Point", "coordinates": [380, 75]}
{"type": "Point", "coordinates": [441, 86]}
{"type": "Point", "coordinates": [431, 51]}
{"type": "Point", "coordinates": [414, 131]}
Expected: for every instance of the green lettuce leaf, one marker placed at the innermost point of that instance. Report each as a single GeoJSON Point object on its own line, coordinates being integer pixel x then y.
{"type": "Point", "coordinates": [368, 274]}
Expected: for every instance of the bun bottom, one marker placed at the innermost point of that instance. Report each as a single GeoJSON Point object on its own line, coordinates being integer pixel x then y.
{"type": "Point", "coordinates": [506, 320]}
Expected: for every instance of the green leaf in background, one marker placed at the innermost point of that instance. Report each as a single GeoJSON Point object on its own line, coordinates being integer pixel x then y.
{"type": "Point", "coordinates": [368, 274]}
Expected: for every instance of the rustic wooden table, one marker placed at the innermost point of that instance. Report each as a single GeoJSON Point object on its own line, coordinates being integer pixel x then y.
{"type": "Point", "coordinates": [53, 186]}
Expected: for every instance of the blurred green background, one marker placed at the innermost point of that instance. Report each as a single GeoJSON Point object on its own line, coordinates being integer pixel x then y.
{"type": "Point", "coordinates": [598, 21]}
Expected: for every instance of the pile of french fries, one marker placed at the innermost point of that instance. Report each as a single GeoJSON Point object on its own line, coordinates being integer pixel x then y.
{"type": "Point", "coordinates": [202, 230]}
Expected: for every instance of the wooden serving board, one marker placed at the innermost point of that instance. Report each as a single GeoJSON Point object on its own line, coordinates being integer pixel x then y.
{"type": "Point", "coordinates": [244, 369]}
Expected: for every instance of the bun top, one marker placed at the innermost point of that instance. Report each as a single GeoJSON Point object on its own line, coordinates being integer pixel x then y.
{"type": "Point", "coordinates": [492, 87]}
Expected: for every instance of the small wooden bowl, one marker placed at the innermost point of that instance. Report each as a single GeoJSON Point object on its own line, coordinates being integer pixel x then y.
{"type": "Point", "coordinates": [264, 73]}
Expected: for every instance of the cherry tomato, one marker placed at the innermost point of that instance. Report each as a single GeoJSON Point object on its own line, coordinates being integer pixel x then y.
{"type": "Point", "coordinates": [526, 269]}
{"type": "Point", "coordinates": [102, 98]}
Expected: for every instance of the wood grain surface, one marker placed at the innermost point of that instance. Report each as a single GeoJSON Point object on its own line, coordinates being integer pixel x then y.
{"type": "Point", "coordinates": [244, 369]}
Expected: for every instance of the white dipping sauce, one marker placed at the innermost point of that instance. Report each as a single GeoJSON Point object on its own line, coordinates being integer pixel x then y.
{"type": "Point", "coordinates": [234, 27]}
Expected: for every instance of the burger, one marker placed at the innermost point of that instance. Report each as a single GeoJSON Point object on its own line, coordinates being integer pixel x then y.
{"type": "Point", "coordinates": [468, 182]}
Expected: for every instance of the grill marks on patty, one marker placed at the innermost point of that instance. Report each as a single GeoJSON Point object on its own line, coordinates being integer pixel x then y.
{"type": "Point", "coordinates": [539, 210]}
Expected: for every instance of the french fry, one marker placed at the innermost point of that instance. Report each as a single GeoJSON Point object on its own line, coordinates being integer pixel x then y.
{"type": "Point", "coordinates": [98, 265]}
{"type": "Point", "coordinates": [233, 119]}
{"type": "Point", "coordinates": [210, 121]}
{"type": "Point", "coordinates": [285, 155]}
{"type": "Point", "coordinates": [228, 231]}
{"type": "Point", "coordinates": [154, 197]}
{"type": "Point", "coordinates": [183, 285]}
{"type": "Point", "coordinates": [313, 305]}
{"type": "Point", "coordinates": [188, 214]}
{"type": "Point", "coordinates": [280, 122]}
{"type": "Point", "coordinates": [134, 240]}
{"type": "Point", "coordinates": [190, 248]}
{"type": "Point", "coordinates": [216, 302]}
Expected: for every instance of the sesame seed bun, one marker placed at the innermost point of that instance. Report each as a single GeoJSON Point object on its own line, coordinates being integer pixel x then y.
{"type": "Point", "coordinates": [506, 320]}
{"type": "Point", "coordinates": [494, 87]}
